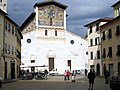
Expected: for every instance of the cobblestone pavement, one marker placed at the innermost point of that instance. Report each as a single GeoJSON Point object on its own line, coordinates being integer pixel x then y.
{"type": "Point", "coordinates": [56, 83]}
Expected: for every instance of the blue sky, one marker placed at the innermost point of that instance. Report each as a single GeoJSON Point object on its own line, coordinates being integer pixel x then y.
{"type": "Point", "coordinates": [80, 12]}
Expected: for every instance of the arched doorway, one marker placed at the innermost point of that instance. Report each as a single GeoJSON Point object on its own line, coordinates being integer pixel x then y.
{"type": "Point", "coordinates": [98, 69]}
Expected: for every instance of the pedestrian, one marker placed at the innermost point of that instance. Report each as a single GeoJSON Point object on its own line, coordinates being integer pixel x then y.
{"type": "Point", "coordinates": [73, 76]}
{"type": "Point", "coordinates": [45, 72]}
{"type": "Point", "coordinates": [91, 77]}
{"type": "Point", "coordinates": [107, 75]}
{"type": "Point", "coordinates": [0, 82]}
{"type": "Point", "coordinates": [86, 72]}
{"type": "Point", "coordinates": [68, 75]}
{"type": "Point", "coordinates": [65, 75]}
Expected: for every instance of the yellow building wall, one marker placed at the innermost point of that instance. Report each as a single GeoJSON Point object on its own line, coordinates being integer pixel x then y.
{"type": "Point", "coordinates": [113, 42]}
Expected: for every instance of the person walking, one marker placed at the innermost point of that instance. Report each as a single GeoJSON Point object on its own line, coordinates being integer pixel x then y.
{"type": "Point", "coordinates": [68, 75]}
{"type": "Point", "coordinates": [45, 73]}
{"type": "Point", "coordinates": [73, 76]}
{"type": "Point", "coordinates": [107, 75]}
{"type": "Point", "coordinates": [86, 72]}
{"type": "Point", "coordinates": [91, 77]}
{"type": "Point", "coordinates": [65, 75]}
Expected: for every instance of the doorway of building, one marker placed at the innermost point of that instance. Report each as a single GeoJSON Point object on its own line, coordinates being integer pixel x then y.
{"type": "Point", "coordinates": [111, 70]}
{"type": "Point", "coordinates": [69, 64]}
{"type": "Point", "coordinates": [5, 73]}
{"type": "Point", "coordinates": [98, 69]}
{"type": "Point", "coordinates": [12, 70]}
{"type": "Point", "coordinates": [104, 67]}
{"type": "Point", "coordinates": [51, 64]}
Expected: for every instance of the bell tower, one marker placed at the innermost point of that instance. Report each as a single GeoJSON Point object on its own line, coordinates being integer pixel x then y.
{"type": "Point", "coordinates": [3, 5]}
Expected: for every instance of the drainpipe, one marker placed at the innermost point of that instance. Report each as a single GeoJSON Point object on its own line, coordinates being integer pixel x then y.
{"type": "Point", "coordinates": [101, 52]}
{"type": "Point", "coordinates": [4, 47]}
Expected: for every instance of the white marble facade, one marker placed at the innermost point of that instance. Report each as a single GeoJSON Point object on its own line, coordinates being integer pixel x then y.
{"type": "Point", "coordinates": [61, 47]}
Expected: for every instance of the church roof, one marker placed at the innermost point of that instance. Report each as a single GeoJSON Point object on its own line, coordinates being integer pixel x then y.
{"type": "Point", "coordinates": [32, 15]}
{"type": "Point", "coordinates": [50, 2]}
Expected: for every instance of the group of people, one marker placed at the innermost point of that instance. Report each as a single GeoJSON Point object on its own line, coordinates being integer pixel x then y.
{"type": "Point", "coordinates": [67, 75]}
{"type": "Point", "coordinates": [91, 77]}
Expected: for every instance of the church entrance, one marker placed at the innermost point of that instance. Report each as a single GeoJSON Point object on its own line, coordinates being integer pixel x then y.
{"type": "Point", "coordinates": [51, 64]}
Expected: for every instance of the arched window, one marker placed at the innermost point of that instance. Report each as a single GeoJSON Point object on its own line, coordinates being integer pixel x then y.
{"type": "Point", "coordinates": [45, 32]}
{"type": "Point", "coordinates": [55, 33]}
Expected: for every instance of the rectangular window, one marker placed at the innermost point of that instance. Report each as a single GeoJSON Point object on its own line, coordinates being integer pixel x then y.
{"type": "Point", "coordinates": [69, 62]}
{"type": "Point", "coordinates": [90, 30]}
{"type": "Point", "coordinates": [109, 52]}
{"type": "Point", "coordinates": [15, 31]}
{"type": "Point", "coordinates": [96, 41]}
{"type": "Point", "coordinates": [12, 29]}
{"type": "Point", "coordinates": [109, 33]}
{"type": "Point", "coordinates": [91, 55]}
{"type": "Point", "coordinates": [8, 51]}
{"type": "Point", "coordinates": [55, 33]}
{"type": "Point", "coordinates": [104, 53]}
{"type": "Point", "coordinates": [50, 21]}
{"type": "Point", "coordinates": [97, 27]}
{"type": "Point", "coordinates": [12, 49]}
{"type": "Point", "coordinates": [9, 27]}
{"type": "Point", "coordinates": [45, 32]}
{"type": "Point", "coordinates": [5, 48]}
{"type": "Point", "coordinates": [118, 50]}
{"type": "Point", "coordinates": [32, 61]}
{"type": "Point", "coordinates": [6, 25]}
{"type": "Point", "coordinates": [98, 54]}
{"type": "Point", "coordinates": [117, 30]}
{"type": "Point", "coordinates": [103, 37]}
{"type": "Point", "coordinates": [91, 42]}
{"type": "Point", "coordinates": [118, 10]}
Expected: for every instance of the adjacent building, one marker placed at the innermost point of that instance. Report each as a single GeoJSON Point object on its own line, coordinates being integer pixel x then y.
{"type": "Point", "coordinates": [46, 42]}
{"type": "Point", "coordinates": [110, 33]}
{"type": "Point", "coordinates": [10, 46]}
{"type": "Point", "coordinates": [94, 44]}
{"type": "Point", "coordinates": [3, 5]}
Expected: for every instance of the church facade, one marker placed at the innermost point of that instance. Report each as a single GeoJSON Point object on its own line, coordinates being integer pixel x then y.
{"type": "Point", "coordinates": [47, 44]}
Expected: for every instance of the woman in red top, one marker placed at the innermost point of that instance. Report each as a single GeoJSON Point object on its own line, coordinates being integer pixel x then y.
{"type": "Point", "coordinates": [65, 75]}
{"type": "Point", "coordinates": [68, 75]}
